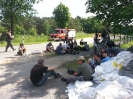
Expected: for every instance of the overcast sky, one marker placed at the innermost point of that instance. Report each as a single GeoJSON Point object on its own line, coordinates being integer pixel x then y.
{"type": "Point", "coordinates": [76, 7]}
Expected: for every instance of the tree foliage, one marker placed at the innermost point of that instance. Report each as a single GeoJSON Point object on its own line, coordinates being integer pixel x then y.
{"type": "Point", "coordinates": [61, 15]}
{"type": "Point", "coordinates": [14, 10]}
{"type": "Point", "coordinates": [116, 12]}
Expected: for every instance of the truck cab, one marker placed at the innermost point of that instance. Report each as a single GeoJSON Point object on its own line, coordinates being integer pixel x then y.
{"type": "Point", "coordinates": [60, 34]}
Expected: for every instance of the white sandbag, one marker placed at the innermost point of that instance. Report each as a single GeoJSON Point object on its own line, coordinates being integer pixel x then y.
{"type": "Point", "coordinates": [99, 70]}
{"type": "Point", "coordinates": [89, 93]}
{"type": "Point", "coordinates": [71, 91]}
{"type": "Point", "coordinates": [109, 68]}
{"type": "Point", "coordinates": [111, 91]}
{"type": "Point", "coordinates": [126, 82]}
{"type": "Point", "coordinates": [81, 85]}
{"type": "Point", "coordinates": [113, 76]}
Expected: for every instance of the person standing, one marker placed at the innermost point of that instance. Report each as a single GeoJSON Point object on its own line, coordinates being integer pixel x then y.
{"type": "Point", "coordinates": [0, 36]}
{"type": "Point", "coordinates": [9, 38]}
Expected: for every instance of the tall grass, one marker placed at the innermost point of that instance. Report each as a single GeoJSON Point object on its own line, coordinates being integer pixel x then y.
{"type": "Point", "coordinates": [127, 45]}
{"type": "Point", "coordinates": [80, 35]}
{"type": "Point", "coordinates": [29, 39]}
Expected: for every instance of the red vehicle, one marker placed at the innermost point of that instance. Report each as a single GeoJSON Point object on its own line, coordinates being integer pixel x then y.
{"type": "Point", "coordinates": [60, 34]}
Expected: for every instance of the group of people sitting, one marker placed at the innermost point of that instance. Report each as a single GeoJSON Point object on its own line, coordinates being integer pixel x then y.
{"type": "Point", "coordinates": [68, 47]}
{"type": "Point", "coordinates": [83, 72]}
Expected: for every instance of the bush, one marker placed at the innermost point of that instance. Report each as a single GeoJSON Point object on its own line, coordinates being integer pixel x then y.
{"type": "Point", "coordinates": [18, 30]}
{"type": "Point", "coordinates": [32, 32]}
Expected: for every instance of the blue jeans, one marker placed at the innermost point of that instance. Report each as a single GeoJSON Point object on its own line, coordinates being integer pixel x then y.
{"type": "Point", "coordinates": [45, 77]}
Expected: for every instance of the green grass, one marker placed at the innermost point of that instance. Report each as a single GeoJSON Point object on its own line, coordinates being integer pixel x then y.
{"type": "Point", "coordinates": [80, 35]}
{"type": "Point", "coordinates": [28, 39]}
{"type": "Point", "coordinates": [127, 45]}
{"type": "Point", "coordinates": [74, 64]}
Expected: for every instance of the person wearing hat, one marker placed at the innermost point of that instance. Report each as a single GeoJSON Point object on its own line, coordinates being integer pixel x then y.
{"type": "Point", "coordinates": [106, 57]}
{"type": "Point", "coordinates": [49, 47]}
{"type": "Point", "coordinates": [84, 70]}
{"type": "Point", "coordinates": [36, 74]}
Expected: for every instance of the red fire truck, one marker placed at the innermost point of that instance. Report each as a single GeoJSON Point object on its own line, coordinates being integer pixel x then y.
{"type": "Point", "coordinates": [60, 34]}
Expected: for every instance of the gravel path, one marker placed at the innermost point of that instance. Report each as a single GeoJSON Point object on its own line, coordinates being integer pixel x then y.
{"type": "Point", "coordinates": [15, 73]}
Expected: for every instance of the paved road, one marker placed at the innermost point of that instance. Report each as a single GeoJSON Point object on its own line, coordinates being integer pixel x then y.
{"type": "Point", "coordinates": [31, 48]}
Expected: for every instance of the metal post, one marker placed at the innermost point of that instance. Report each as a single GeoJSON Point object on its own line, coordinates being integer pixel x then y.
{"type": "Point", "coordinates": [114, 34]}
{"type": "Point", "coordinates": [120, 37]}
{"type": "Point", "coordinates": [124, 39]}
{"type": "Point", "coordinates": [23, 37]}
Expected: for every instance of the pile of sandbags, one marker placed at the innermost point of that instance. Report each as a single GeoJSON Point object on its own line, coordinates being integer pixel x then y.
{"type": "Point", "coordinates": [122, 88]}
{"type": "Point", "coordinates": [111, 85]}
{"type": "Point", "coordinates": [108, 71]}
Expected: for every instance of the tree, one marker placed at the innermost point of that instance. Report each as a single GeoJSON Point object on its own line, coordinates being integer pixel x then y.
{"type": "Point", "coordinates": [119, 12]}
{"type": "Point", "coordinates": [14, 10]}
{"type": "Point", "coordinates": [61, 15]}
{"type": "Point", "coordinates": [47, 27]}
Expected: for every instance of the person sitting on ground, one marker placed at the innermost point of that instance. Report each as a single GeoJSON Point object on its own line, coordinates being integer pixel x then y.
{"type": "Point", "coordinates": [100, 53]}
{"type": "Point", "coordinates": [65, 45]}
{"type": "Point", "coordinates": [59, 49]}
{"type": "Point", "coordinates": [85, 47]}
{"type": "Point", "coordinates": [70, 48]}
{"type": "Point", "coordinates": [114, 51]}
{"type": "Point", "coordinates": [106, 57]}
{"type": "Point", "coordinates": [76, 48]}
{"type": "Point", "coordinates": [49, 47]}
{"type": "Point", "coordinates": [94, 62]}
{"type": "Point", "coordinates": [36, 74]}
{"type": "Point", "coordinates": [21, 49]}
{"type": "Point", "coordinates": [84, 69]}
{"type": "Point", "coordinates": [81, 42]}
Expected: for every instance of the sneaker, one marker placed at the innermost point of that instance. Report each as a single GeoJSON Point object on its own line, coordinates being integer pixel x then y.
{"type": "Point", "coordinates": [63, 79]}
{"type": "Point", "coordinates": [58, 75]}
{"type": "Point", "coordinates": [14, 49]}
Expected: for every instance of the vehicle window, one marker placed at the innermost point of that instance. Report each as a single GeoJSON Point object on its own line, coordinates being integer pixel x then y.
{"type": "Point", "coordinates": [55, 31]}
{"type": "Point", "coordinates": [61, 31]}
{"type": "Point", "coordinates": [65, 31]}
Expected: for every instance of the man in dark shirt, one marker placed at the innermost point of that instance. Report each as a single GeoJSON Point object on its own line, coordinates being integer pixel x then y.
{"type": "Point", "coordinates": [36, 75]}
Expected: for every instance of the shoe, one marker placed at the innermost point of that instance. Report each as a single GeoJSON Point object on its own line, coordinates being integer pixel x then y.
{"type": "Point", "coordinates": [63, 79]}
{"type": "Point", "coordinates": [58, 75]}
{"type": "Point", "coordinates": [14, 49]}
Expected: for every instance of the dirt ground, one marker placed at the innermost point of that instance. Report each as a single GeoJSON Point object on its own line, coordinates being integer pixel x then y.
{"type": "Point", "coordinates": [15, 74]}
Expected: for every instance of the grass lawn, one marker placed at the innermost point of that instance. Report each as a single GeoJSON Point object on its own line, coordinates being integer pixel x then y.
{"type": "Point", "coordinates": [39, 39]}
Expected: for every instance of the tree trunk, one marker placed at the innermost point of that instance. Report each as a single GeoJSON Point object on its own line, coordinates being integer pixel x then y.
{"type": "Point", "coordinates": [12, 25]}
{"type": "Point", "coordinates": [114, 34]}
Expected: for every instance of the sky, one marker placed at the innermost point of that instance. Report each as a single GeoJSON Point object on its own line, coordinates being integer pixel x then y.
{"type": "Point", "coordinates": [76, 8]}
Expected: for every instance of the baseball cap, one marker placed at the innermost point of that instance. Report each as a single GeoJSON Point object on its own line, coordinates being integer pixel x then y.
{"type": "Point", "coordinates": [81, 58]}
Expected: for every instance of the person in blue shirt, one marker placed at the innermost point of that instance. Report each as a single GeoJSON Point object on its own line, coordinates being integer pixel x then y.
{"type": "Point", "coordinates": [59, 49]}
{"type": "Point", "coordinates": [106, 57]}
